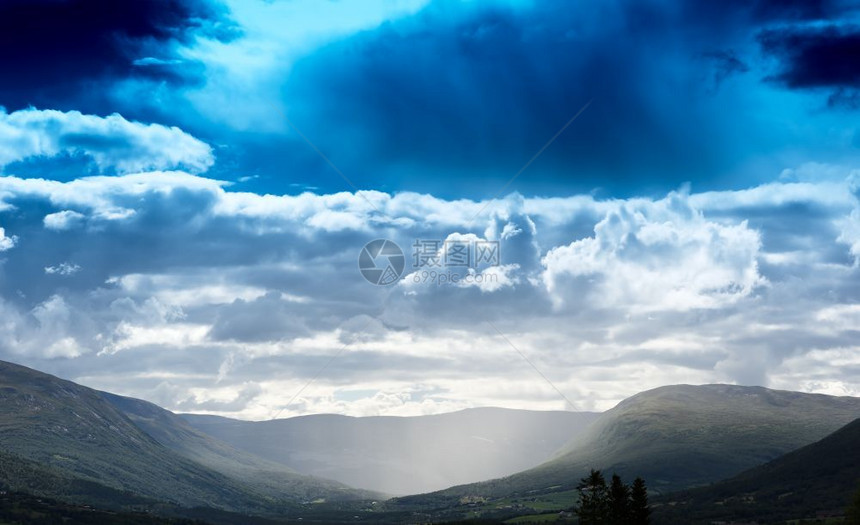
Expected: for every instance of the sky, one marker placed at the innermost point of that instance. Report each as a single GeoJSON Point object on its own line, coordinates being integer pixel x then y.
{"type": "Point", "coordinates": [669, 189]}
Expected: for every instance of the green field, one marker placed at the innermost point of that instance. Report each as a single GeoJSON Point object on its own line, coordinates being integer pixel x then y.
{"type": "Point", "coordinates": [535, 518]}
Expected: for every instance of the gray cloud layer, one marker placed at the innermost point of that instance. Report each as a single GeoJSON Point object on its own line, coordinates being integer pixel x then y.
{"type": "Point", "coordinates": [174, 288]}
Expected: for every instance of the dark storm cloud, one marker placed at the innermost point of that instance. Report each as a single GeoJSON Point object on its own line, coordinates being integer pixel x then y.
{"type": "Point", "coordinates": [455, 99]}
{"type": "Point", "coordinates": [469, 93]}
{"type": "Point", "coordinates": [819, 57]}
{"type": "Point", "coordinates": [770, 10]}
{"type": "Point", "coordinates": [479, 90]}
{"type": "Point", "coordinates": [52, 51]}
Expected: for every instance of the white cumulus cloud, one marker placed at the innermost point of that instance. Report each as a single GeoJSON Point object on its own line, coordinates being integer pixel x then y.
{"type": "Point", "coordinates": [6, 243]}
{"type": "Point", "coordinates": [62, 220]}
{"type": "Point", "coordinates": [657, 255]}
{"type": "Point", "coordinates": [64, 269]}
{"type": "Point", "coordinates": [113, 143]}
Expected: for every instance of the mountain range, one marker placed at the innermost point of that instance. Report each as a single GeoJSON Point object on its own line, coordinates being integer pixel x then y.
{"type": "Point", "coordinates": [676, 437]}
{"type": "Point", "coordinates": [708, 453]}
{"type": "Point", "coordinates": [404, 455]}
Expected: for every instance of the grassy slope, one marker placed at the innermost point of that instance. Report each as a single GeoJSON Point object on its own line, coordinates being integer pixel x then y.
{"type": "Point", "coordinates": [677, 437]}
{"type": "Point", "coordinates": [76, 433]}
{"type": "Point", "coordinates": [818, 477]}
{"type": "Point", "coordinates": [17, 508]}
{"type": "Point", "coordinates": [270, 478]}
{"type": "Point", "coordinates": [69, 440]}
{"type": "Point", "coordinates": [21, 474]}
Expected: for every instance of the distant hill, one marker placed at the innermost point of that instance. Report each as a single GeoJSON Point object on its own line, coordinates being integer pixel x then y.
{"type": "Point", "coordinates": [269, 478]}
{"type": "Point", "coordinates": [402, 455]}
{"type": "Point", "coordinates": [678, 437]}
{"type": "Point", "coordinates": [60, 439]}
{"type": "Point", "coordinates": [820, 477]}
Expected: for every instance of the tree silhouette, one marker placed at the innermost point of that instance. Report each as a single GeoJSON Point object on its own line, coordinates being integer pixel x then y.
{"type": "Point", "coordinates": [619, 502]}
{"type": "Point", "coordinates": [593, 505]}
{"type": "Point", "coordinates": [640, 513]}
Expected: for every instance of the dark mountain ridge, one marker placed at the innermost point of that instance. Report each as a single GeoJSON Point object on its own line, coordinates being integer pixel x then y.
{"type": "Point", "coordinates": [59, 438]}
{"type": "Point", "coordinates": [820, 477]}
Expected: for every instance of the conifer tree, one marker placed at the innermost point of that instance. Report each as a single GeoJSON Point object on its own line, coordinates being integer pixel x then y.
{"type": "Point", "coordinates": [619, 502]}
{"type": "Point", "coordinates": [593, 505]}
{"type": "Point", "coordinates": [640, 513]}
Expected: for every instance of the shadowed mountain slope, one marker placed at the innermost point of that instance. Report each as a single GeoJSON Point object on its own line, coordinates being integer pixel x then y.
{"type": "Point", "coordinates": [59, 438]}
{"type": "Point", "coordinates": [820, 477]}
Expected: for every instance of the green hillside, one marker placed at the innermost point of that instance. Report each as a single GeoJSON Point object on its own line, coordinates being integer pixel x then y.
{"type": "Point", "coordinates": [820, 477]}
{"type": "Point", "coordinates": [61, 439]}
{"type": "Point", "coordinates": [272, 479]}
{"type": "Point", "coordinates": [676, 437]}
{"type": "Point", "coordinates": [25, 509]}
